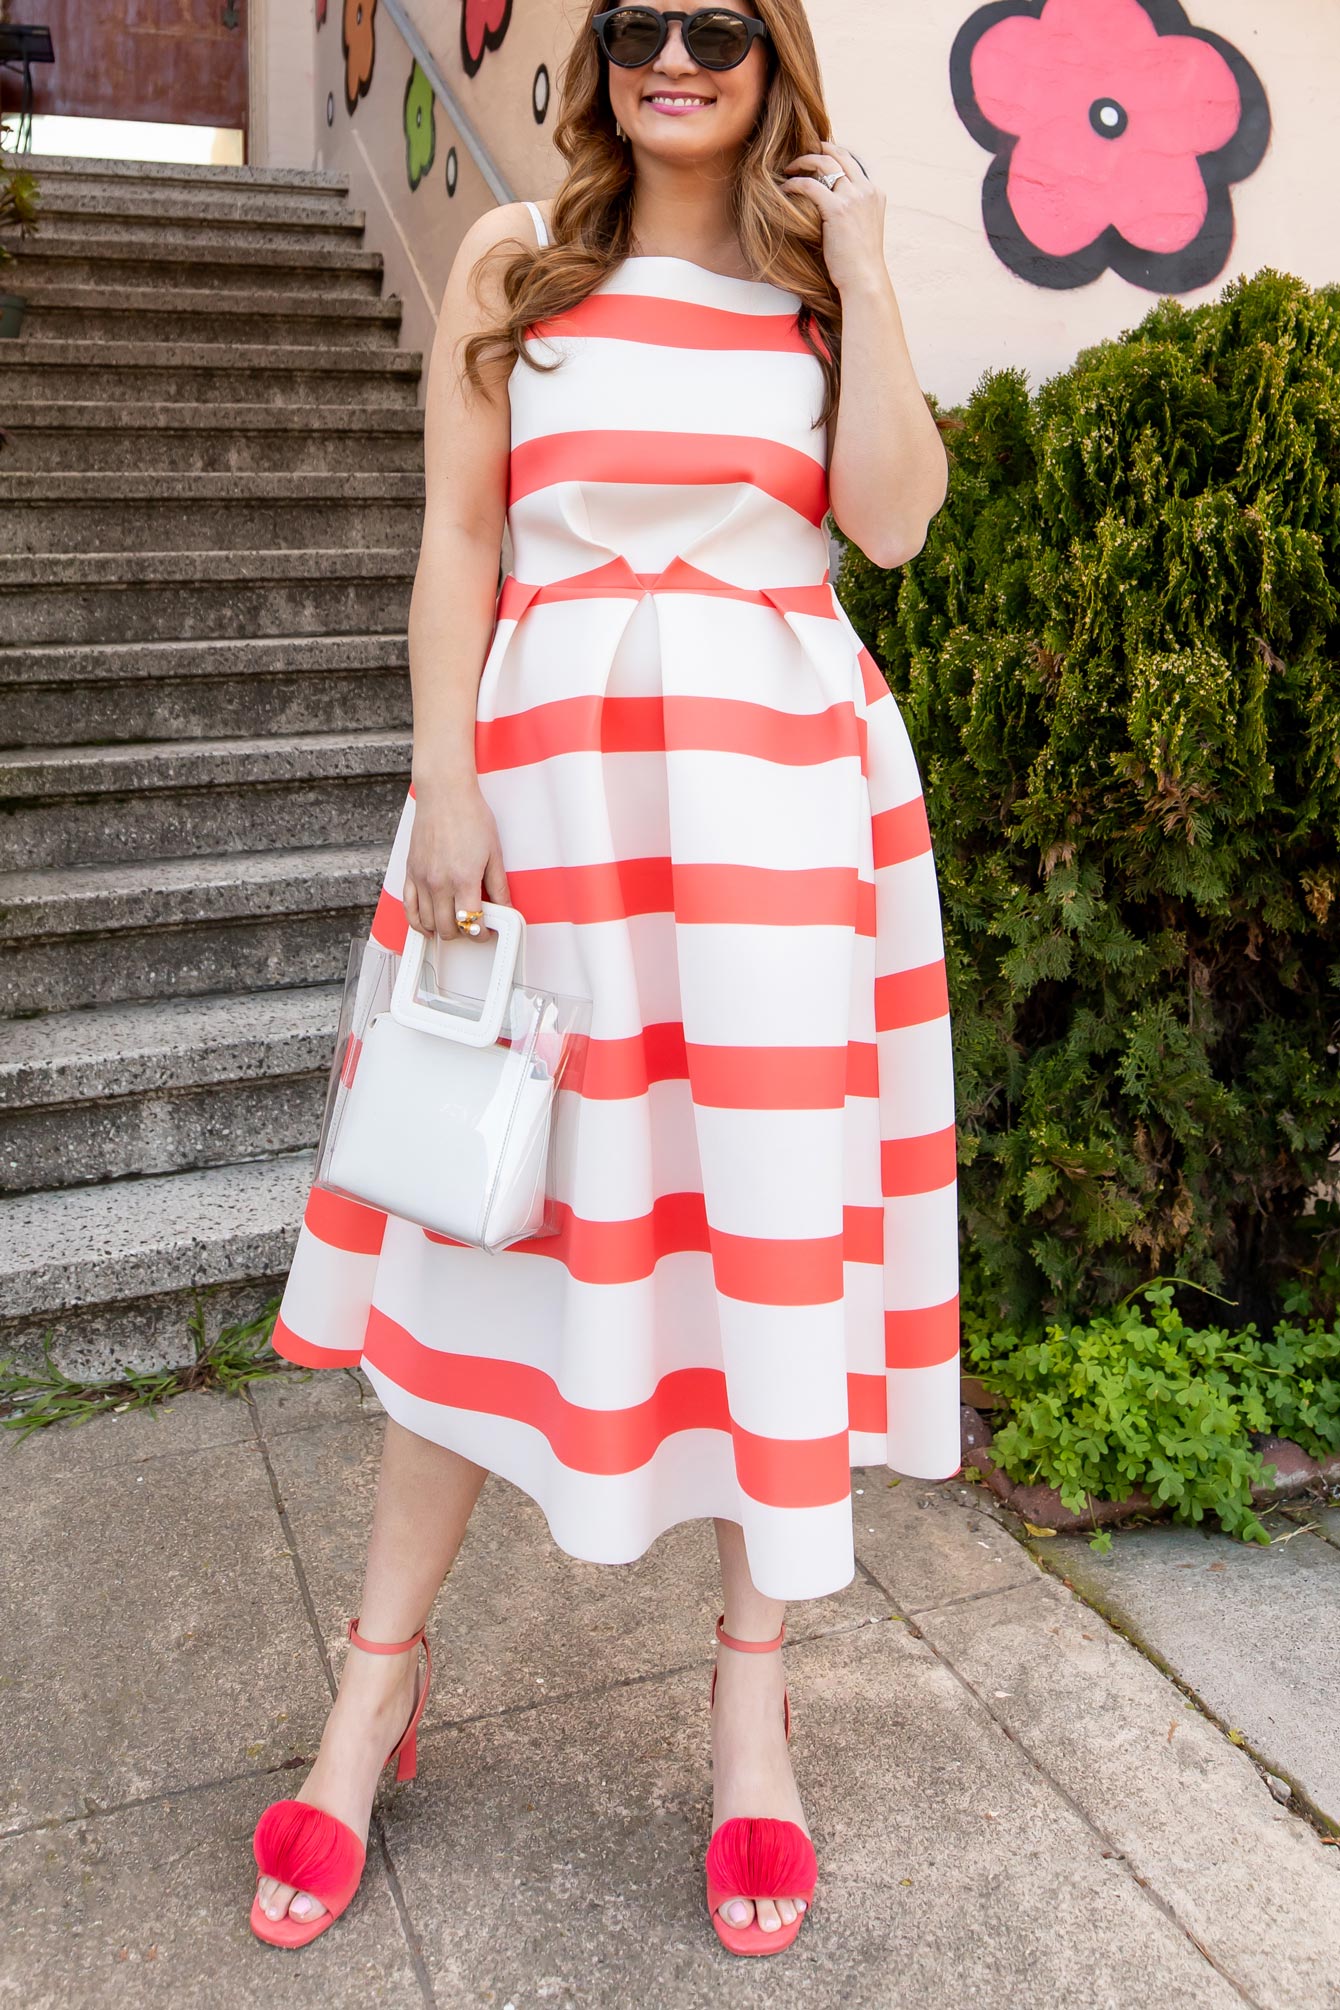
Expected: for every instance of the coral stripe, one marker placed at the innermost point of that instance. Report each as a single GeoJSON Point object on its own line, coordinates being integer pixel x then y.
{"type": "Point", "coordinates": [872, 677]}
{"type": "Point", "coordinates": [726, 1077]}
{"type": "Point", "coordinates": [772, 896]}
{"type": "Point", "coordinates": [781, 1472]}
{"type": "Point", "coordinates": [911, 997]}
{"type": "Point", "coordinates": [286, 1342]}
{"type": "Point", "coordinates": [901, 833]}
{"type": "Point", "coordinates": [763, 1270]}
{"type": "Point", "coordinates": [700, 459]}
{"type": "Point", "coordinates": [863, 1234]}
{"type": "Point", "coordinates": [617, 580]}
{"type": "Point", "coordinates": [923, 1338]}
{"type": "Point", "coordinates": [627, 725]}
{"type": "Point", "coordinates": [918, 1165]}
{"type": "Point", "coordinates": [345, 1224]}
{"type": "Point", "coordinates": [390, 924]}
{"type": "Point", "coordinates": [672, 324]}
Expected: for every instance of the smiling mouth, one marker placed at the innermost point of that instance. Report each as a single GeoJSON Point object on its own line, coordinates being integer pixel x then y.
{"type": "Point", "coordinates": [674, 98]}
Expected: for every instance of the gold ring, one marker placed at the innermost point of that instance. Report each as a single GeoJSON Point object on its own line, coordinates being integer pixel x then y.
{"type": "Point", "coordinates": [468, 919]}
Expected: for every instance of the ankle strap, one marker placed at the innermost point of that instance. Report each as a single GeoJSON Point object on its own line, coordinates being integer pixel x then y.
{"type": "Point", "coordinates": [748, 1646]}
{"type": "Point", "coordinates": [382, 1646]}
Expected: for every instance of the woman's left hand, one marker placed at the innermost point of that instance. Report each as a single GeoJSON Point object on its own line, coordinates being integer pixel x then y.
{"type": "Point", "coordinates": [852, 212]}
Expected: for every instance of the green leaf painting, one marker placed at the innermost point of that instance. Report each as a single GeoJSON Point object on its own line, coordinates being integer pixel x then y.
{"type": "Point", "coordinates": [420, 126]}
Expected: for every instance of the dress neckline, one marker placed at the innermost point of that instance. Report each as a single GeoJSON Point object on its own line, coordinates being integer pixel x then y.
{"type": "Point", "coordinates": [672, 258]}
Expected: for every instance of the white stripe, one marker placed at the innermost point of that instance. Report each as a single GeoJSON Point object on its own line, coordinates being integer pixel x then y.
{"type": "Point", "coordinates": [924, 1435]}
{"type": "Point", "coordinates": [600, 386]}
{"type": "Point", "coordinates": [920, 1248]}
{"type": "Point", "coordinates": [326, 1296]}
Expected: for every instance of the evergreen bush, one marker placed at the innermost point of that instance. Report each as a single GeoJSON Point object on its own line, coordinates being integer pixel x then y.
{"type": "Point", "coordinates": [1118, 655]}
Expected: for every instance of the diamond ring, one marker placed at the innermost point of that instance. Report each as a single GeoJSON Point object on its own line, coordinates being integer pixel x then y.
{"type": "Point", "coordinates": [829, 179]}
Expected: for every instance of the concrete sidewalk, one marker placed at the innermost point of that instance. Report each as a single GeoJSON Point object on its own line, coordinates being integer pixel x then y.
{"type": "Point", "coordinates": [1010, 1803]}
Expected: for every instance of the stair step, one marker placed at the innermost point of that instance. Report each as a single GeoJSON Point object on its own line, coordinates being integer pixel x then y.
{"type": "Point", "coordinates": [324, 271]}
{"type": "Point", "coordinates": [56, 310]}
{"type": "Point", "coordinates": [209, 216]}
{"type": "Point", "coordinates": [199, 372]}
{"type": "Point", "coordinates": [130, 1090]}
{"type": "Point", "coordinates": [54, 435]}
{"type": "Point", "coordinates": [81, 806]}
{"type": "Point", "coordinates": [103, 934]}
{"type": "Point", "coordinates": [113, 1272]}
{"type": "Point", "coordinates": [98, 805]}
{"type": "Point", "coordinates": [221, 689]}
{"type": "Point", "coordinates": [109, 509]}
{"type": "Point", "coordinates": [181, 596]}
{"type": "Point", "coordinates": [94, 172]}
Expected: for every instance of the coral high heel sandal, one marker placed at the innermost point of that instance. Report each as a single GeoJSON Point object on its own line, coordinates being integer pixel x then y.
{"type": "Point", "coordinates": [315, 1851]}
{"type": "Point", "coordinates": [756, 1856]}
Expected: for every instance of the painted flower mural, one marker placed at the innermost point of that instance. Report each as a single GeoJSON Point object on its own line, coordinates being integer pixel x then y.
{"type": "Point", "coordinates": [483, 25]}
{"type": "Point", "coordinates": [420, 125]}
{"type": "Point", "coordinates": [1118, 130]}
{"type": "Point", "coordinates": [359, 49]}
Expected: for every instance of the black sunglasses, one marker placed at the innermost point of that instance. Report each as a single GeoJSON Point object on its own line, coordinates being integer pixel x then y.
{"type": "Point", "coordinates": [714, 37]}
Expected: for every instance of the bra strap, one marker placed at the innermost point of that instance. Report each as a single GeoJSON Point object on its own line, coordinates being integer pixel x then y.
{"type": "Point", "coordinates": [540, 231]}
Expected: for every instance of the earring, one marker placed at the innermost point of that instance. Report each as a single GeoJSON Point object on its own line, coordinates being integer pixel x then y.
{"type": "Point", "coordinates": [619, 132]}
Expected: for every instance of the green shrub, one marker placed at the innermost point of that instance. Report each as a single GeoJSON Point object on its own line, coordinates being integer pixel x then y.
{"type": "Point", "coordinates": [1119, 659]}
{"type": "Point", "coordinates": [1136, 1398]}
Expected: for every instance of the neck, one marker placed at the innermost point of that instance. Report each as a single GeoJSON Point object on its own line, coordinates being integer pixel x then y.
{"type": "Point", "coordinates": [685, 213]}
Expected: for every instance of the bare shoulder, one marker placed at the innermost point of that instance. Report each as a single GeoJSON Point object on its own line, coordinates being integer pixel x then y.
{"type": "Point", "coordinates": [474, 272]}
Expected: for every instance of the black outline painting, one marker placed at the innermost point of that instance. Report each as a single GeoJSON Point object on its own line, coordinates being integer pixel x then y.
{"type": "Point", "coordinates": [1115, 115]}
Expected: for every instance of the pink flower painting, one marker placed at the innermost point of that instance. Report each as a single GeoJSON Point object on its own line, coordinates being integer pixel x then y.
{"type": "Point", "coordinates": [1117, 130]}
{"type": "Point", "coordinates": [483, 25]}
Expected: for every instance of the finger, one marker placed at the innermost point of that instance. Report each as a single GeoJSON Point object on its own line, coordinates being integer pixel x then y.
{"type": "Point", "coordinates": [413, 914]}
{"type": "Point", "coordinates": [466, 895]}
{"type": "Point", "coordinates": [807, 185]}
{"type": "Point", "coordinates": [846, 158]}
{"type": "Point", "coordinates": [495, 881]}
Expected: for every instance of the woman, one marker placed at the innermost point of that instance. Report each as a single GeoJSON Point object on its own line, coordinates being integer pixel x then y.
{"type": "Point", "coordinates": [681, 764]}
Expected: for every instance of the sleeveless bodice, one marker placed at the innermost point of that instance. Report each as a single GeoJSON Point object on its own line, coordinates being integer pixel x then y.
{"type": "Point", "coordinates": [677, 428]}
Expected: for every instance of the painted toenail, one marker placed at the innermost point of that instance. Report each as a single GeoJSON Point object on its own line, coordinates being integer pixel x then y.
{"type": "Point", "coordinates": [301, 1907]}
{"type": "Point", "coordinates": [736, 1913]}
{"type": "Point", "coordinates": [770, 1925]}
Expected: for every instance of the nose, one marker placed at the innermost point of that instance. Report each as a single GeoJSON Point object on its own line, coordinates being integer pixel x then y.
{"type": "Point", "coordinates": [674, 56]}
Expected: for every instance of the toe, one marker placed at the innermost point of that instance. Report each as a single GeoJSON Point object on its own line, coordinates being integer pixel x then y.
{"type": "Point", "coordinates": [786, 1910]}
{"type": "Point", "coordinates": [274, 1897]}
{"type": "Point", "coordinates": [304, 1906]}
{"type": "Point", "coordinates": [768, 1917]}
{"type": "Point", "coordinates": [737, 1911]}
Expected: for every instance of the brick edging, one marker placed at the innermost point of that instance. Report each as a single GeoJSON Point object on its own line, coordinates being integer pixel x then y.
{"type": "Point", "coordinates": [1295, 1472]}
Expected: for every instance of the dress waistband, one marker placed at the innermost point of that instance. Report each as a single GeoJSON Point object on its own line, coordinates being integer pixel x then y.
{"type": "Point", "coordinates": [617, 579]}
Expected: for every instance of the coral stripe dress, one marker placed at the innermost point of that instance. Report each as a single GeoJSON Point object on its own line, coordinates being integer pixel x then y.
{"type": "Point", "coordinates": [711, 819]}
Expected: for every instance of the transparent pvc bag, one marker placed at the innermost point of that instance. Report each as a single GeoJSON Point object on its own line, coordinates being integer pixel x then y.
{"type": "Point", "coordinates": [443, 1104]}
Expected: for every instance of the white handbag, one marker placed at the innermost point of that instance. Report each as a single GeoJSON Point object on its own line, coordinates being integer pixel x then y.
{"type": "Point", "coordinates": [442, 1104]}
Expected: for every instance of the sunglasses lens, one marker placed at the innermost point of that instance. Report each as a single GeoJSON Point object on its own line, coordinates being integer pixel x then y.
{"type": "Point", "coordinates": [632, 36]}
{"type": "Point", "coordinates": [717, 41]}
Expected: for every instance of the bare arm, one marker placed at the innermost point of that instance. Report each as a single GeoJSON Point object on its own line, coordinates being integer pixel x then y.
{"type": "Point", "coordinates": [887, 472]}
{"type": "Point", "coordinates": [454, 857]}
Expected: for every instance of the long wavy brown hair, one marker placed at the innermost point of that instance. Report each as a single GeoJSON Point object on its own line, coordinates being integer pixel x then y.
{"type": "Point", "coordinates": [591, 228]}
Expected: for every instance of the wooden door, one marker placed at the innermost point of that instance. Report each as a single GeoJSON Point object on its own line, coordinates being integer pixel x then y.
{"type": "Point", "coordinates": [180, 61]}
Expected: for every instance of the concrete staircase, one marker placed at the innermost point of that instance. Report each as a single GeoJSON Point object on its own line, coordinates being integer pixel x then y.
{"type": "Point", "coordinates": [211, 500]}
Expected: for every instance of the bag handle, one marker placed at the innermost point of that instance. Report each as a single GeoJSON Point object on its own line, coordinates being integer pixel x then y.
{"type": "Point", "coordinates": [408, 1009]}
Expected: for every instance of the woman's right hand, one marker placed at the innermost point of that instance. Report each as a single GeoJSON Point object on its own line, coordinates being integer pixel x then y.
{"type": "Point", "coordinates": [454, 858]}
